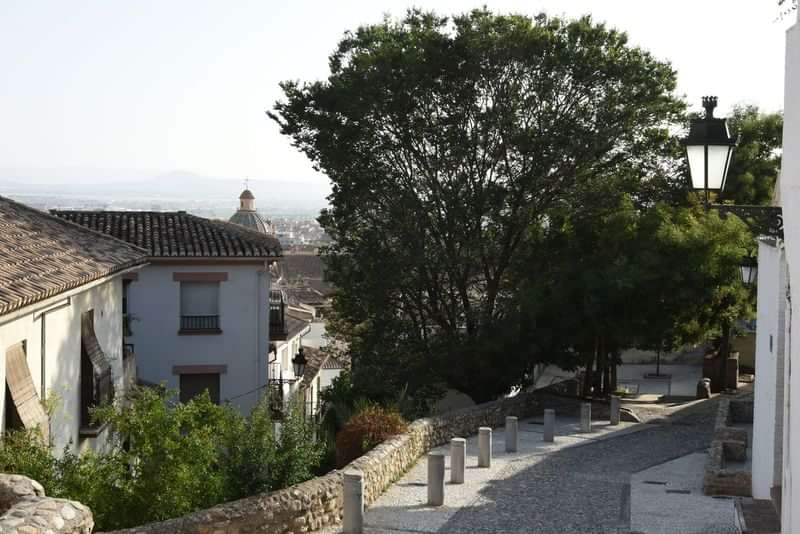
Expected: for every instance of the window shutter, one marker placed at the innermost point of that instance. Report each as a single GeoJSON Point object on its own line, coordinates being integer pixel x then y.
{"type": "Point", "coordinates": [199, 298]}
{"type": "Point", "coordinates": [103, 383]}
{"type": "Point", "coordinates": [23, 392]}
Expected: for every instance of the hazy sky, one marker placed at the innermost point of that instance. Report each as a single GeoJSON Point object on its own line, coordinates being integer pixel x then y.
{"type": "Point", "coordinates": [169, 85]}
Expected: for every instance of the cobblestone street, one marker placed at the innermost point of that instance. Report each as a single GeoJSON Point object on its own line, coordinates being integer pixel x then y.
{"type": "Point", "coordinates": [579, 485]}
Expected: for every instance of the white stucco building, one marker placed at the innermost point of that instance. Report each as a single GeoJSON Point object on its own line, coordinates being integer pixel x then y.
{"type": "Point", "coordinates": [319, 373]}
{"type": "Point", "coordinates": [287, 328]}
{"type": "Point", "coordinates": [776, 424]}
{"type": "Point", "coordinates": [61, 326]}
{"type": "Point", "coordinates": [198, 314]}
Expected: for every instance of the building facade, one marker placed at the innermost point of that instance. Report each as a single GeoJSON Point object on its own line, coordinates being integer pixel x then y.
{"type": "Point", "coordinates": [198, 314]}
{"type": "Point", "coordinates": [776, 421]}
{"type": "Point", "coordinates": [61, 325]}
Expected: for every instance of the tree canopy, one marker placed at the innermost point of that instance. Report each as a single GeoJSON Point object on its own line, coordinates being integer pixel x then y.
{"type": "Point", "coordinates": [447, 141]}
{"type": "Point", "coordinates": [757, 157]}
{"type": "Point", "coordinates": [507, 192]}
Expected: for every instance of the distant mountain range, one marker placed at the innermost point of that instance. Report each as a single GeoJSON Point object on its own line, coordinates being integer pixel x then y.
{"type": "Point", "coordinates": [168, 190]}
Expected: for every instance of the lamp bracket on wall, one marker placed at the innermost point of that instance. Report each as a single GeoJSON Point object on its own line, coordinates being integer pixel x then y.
{"type": "Point", "coordinates": [762, 220]}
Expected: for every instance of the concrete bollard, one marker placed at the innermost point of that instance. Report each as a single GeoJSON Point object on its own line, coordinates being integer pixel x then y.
{"type": "Point", "coordinates": [586, 417]}
{"type": "Point", "coordinates": [484, 446]}
{"type": "Point", "coordinates": [550, 425]}
{"type": "Point", "coordinates": [353, 509]}
{"type": "Point", "coordinates": [512, 434]}
{"type": "Point", "coordinates": [615, 408]}
{"type": "Point", "coordinates": [458, 460]}
{"type": "Point", "coordinates": [435, 479]}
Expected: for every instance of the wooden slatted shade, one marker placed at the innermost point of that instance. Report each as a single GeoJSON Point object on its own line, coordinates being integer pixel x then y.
{"type": "Point", "coordinates": [103, 384]}
{"type": "Point", "coordinates": [23, 393]}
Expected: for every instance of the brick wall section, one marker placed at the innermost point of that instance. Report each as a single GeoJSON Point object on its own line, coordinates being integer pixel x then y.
{"type": "Point", "coordinates": [26, 510]}
{"type": "Point", "coordinates": [317, 503]}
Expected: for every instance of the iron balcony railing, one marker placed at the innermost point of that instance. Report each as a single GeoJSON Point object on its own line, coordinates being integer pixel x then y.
{"type": "Point", "coordinates": [199, 322]}
{"type": "Point", "coordinates": [276, 308]}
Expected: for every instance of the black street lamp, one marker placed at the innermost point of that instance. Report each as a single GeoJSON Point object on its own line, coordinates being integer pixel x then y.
{"type": "Point", "coordinates": [749, 268]}
{"type": "Point", "coordinates": [709, 147]}
{"type": "Point", "coordinates": [299, 363]}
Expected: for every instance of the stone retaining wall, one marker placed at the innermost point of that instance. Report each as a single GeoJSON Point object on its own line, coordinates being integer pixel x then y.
{"type": "Point", "coordinates": [317, 503]}
{"type": "Point", "coordinates": [729, 444]}
{"type": "Point", "coordinates": [25, 509]}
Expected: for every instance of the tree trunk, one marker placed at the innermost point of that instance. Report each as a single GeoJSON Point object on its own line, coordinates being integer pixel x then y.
{"type": "Point", "coordinates": [607, 388]}
{"type": "Point", "coordinates": [614, 373]}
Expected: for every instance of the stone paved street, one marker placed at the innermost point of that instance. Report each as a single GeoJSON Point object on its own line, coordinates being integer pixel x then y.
{"type": "Point", "coordinates": [581, 485]}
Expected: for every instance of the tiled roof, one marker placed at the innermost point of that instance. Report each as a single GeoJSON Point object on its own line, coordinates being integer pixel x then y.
{"type": "Point", "coordinates": [304, 295]}
{"type": "Point", "coordinates": [315, 360]}
{"type": "Point", "coordinates": [332, 363]}
{"type": "Point", "coordinates": [177, 234]}
{"type": "Point", "coordinates": [42, 256]}
{"type": "Point", "coordinates": [304, 268]}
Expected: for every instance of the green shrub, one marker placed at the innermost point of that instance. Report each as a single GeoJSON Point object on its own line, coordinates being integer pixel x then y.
{"type": "Point", "coordinates": [366, 429]}
{"type": "Point", "coordinates": [26, 453]}
{"type": "Point", "coordinates": [169, 458]}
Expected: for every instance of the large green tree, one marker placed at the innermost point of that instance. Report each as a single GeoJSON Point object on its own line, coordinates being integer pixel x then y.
{"type": "Point", "coordinates": [757, 156]}
{"type": "Point", "coordinates": [654, 278]}
{"type": "Point", "coordinates": [447, 141]}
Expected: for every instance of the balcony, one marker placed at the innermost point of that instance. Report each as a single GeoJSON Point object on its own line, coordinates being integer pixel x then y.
{"type": "Point", "coordinates": [277, 315]}
{"type": "Point", "coordinates": [199, 324]}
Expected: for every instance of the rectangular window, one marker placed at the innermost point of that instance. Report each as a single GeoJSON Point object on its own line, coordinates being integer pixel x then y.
{"type": "Point", "coordinates": [194, 384]}
{"type": "Point", "coordinates": [200, 307]}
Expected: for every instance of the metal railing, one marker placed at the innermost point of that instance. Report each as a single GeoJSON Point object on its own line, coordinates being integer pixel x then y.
{"type": "Point", "coordinates": [276, 308]}
{"type": "Point", "coordinates": [199, 322]}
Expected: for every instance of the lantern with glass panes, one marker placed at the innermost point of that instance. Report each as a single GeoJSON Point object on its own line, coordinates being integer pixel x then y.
{"type": "Point", "coordinates": [709, 147]}
{"type": "Point", "coordinates": [709, 150]}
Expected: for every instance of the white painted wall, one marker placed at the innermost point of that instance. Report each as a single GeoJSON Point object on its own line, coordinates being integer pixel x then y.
{"type": "Point", "coordinates": [770, 300]}
{"type": "Point", "coordinates": [63, 353]}
{"type": "Point", "coordinates": [154, 299]}
{"type": "Point", "coordinates": [790, 199]}
{"type": "Point", "coordinates": [316, 337]}
{"type": "Point", "coordinates": [327, 376]}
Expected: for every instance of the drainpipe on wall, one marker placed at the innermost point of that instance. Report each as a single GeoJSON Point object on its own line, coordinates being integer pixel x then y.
{"type": "Point", "coordinates": [262, 331]}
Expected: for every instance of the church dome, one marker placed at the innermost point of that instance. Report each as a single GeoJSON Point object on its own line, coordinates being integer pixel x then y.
{"type": "Point", "coordinates": [247, 215]}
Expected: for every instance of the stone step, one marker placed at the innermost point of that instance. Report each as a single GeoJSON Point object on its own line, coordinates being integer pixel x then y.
{"type": "Point", "coordinates": [757, 516]}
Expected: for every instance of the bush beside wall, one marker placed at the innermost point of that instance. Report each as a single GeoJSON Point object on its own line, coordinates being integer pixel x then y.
{"type": "Point", "coordinates": [317, 503]}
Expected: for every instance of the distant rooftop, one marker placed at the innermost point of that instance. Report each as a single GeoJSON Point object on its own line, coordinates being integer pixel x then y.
{"type": "Point", "coordinates": [177, 234]}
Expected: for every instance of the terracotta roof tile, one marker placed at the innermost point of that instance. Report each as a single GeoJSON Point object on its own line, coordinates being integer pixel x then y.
{"type": "Point", "coordinates": [177, 234]}
{"type": "Point", "coordinates": [42, 256]}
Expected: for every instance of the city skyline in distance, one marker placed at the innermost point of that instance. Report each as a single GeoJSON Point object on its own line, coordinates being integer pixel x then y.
{"type": "Point", "coordinates": [142, 189]}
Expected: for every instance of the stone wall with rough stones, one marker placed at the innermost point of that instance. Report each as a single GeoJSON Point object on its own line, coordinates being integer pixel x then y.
{"type": "Point", "coordinates": [728, 444]}
{"type": "Point", "coordinates": [24, 509]}
{"type": "Point", "coordinates": [317, 503]}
